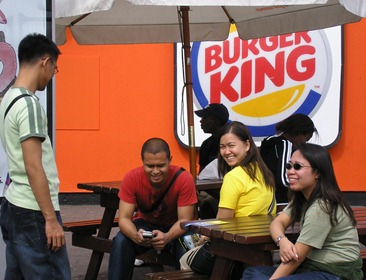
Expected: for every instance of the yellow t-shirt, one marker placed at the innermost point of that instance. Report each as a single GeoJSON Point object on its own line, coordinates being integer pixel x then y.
{"type": "Point", "coordinates": [245, 196]}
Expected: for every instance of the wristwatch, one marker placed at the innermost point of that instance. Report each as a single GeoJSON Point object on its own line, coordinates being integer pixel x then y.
{"type": "Point", "coordinates": [278, 239]}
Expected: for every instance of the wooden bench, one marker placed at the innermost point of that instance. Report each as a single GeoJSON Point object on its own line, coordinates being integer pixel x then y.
{"type": "Point", "coordinates": [184, 274]}
{"type": "Point", "coordinates": [82, 236]}
{"type": "Point", "coordinates": [176, 275]}
{"type": "Point", "coordinates": [85, 227]}
{"type": "Point", "coordinates": [157, 261]}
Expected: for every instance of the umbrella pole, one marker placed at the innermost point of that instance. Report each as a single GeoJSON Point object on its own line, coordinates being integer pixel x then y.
{"type": "Point", "coordinates": [188, 69]}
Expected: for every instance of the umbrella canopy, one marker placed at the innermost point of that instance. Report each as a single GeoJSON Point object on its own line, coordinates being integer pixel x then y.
{"type": "Point", "coordinates": [163, 21]}
{"type": "Point", "coordinates": [120, 22]}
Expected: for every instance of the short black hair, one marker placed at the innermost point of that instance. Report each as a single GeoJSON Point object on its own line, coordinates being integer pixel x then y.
{"type": "Point", "coordinates": [35, 46]}
{"type": "Point", "coordinates": [154, 146]}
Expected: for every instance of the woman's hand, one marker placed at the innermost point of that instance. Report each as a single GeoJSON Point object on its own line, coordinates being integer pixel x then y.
{"type": "Point", "coordinates": [288, 251]}
{"type": "Point", "coordinates": [202, 240]}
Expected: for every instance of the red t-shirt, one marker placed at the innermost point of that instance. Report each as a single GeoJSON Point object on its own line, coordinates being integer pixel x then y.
{"type": "Point", "coordinates": [136, 189]}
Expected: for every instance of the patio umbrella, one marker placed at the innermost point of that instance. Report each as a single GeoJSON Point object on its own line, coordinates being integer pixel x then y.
{"type": "Point", "coordinates": [168, 21]}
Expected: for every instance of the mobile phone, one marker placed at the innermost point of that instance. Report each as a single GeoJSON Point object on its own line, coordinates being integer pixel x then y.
{"type": "Point", "coordinates": [147, 234]}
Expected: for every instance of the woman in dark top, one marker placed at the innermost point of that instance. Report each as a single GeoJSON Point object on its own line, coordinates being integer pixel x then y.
{"type": "Point", "coordinates": [276, 150]}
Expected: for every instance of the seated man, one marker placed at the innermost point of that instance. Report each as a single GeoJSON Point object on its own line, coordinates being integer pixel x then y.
{"type": "Point", "coordinates": [162, 205]}
{"type": "Point", "coordinates": [213, 118]}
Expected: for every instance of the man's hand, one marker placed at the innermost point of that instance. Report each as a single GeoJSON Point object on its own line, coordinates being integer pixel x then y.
{"type": "Point", "coordinates": [55, 235]}
{"type": "Point", "coordinates": [142, 241]}
{"type": "Point", "coordinates": [160, 240]}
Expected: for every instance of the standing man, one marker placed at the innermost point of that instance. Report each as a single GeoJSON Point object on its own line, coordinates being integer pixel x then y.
{"type": "Point", "coordinates": [162, 203]}
{"type": "Point", "coordinates": [213, 117]}
{"type": "Point", "coordinates": [30, 218]}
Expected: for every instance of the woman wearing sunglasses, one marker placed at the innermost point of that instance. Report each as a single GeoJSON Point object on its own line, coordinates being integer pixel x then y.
{"type": "Point", "coordinates": [327, 247]}
{"type": "Point", "coordinates": [276, 150]}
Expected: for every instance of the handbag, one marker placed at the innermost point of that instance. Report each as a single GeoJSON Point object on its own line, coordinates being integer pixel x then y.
{"type": "Point", "coordinates": [200, 259]}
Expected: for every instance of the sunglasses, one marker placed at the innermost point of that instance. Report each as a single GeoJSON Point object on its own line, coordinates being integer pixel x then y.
{"type": "Point", "coordinates": [296, 166]}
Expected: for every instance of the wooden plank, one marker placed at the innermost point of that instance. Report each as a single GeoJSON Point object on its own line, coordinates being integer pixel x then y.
{"type": "Point", "coordinates": [245, 224]}
{"type": "Point", "coordinates": [203, 185]}
{"type": "Point", "coordinates": [175, 275]}
{"type": "Point", "coordinates": [86, 225]}
{"type": "Point", "coordinates": [254, 254]}
{"type": "Point", "coordinates": [91, 242]}
{"type": "Point", "coordinates": [234, 223]}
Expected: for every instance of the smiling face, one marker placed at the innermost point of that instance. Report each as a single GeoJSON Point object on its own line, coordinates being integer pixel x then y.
{"type": "Point", "coordinates": [156, 167]}
{"type": "Point", "coordinates": [232, 149]}
{"type": "Point", "coordinates": [303, 180]}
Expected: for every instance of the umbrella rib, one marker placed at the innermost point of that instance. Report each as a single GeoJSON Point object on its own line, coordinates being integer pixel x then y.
{"type": "Point", "coordinates": [231, 20]}
{"type": "Point", "coordinates": [79, 19]}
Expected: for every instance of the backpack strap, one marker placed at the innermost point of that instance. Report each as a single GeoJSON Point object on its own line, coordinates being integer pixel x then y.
{"type": "Point", "coordinates": [13, 101]}
{"type": "Point", "coordinates": [160, 199]}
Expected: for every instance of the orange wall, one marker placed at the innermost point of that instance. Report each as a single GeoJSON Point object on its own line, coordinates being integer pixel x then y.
{"type": "Point", "coordinates": [110, 99]}
{"type": "Point", "coordinates": [349, 154]}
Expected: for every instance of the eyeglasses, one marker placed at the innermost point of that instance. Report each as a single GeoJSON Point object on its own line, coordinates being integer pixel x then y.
{"type": "Point", "coordinates": [296, 166]}
{"type": "Point", "coordinates": [56, 67]}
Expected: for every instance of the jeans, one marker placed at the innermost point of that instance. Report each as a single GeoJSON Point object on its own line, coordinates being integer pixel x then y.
{"type": "Point", "coordinates": [27, 254]}
{"type": "Point", "coordinates": [124, 251]}
{"type": "Point", "coordinates": [265, 272]}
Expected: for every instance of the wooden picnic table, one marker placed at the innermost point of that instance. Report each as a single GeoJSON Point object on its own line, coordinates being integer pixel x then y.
{"type": "Point", "coordinates": [230, 241]}
{"type": "Point", "coordinates": [244, 239]}
{"type": "Point", "coordinates": [247, 239]}
{"type": "Point", "coordinates": [113, 186]}
{"type": "Point", "coordinates": [100, 243]}
{"type": "Point", "coordinates": [207, 185]}
{"type": "Point", "coordinates": [109, 200]}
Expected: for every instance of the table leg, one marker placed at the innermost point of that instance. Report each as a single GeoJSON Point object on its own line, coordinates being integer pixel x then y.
{"type": "Point", "coordinates": [104, 232]}
{"type": "Point", "coordinates": [221, 270]}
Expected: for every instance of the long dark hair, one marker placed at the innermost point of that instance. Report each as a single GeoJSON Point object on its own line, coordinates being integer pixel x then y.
{"type": "Point", "coordinates": [297, 124]}
{"type": "Point", "coordinates": [251, 161]}
{"type": "Point", "coordinates": [326, 188]}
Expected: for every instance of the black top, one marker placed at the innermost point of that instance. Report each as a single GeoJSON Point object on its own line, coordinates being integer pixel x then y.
{"type": "Point", "coordinates": [276, 152]}
{"type": "Point", "coordinates": [209, 150]}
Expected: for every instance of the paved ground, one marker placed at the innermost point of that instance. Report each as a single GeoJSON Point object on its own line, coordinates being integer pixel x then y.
{"type": "Point", "coordinates": [79, 257]}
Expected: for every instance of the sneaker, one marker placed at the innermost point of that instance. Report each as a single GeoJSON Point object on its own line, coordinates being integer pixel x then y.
{"type": "Point", "coordinates": [139, 262]}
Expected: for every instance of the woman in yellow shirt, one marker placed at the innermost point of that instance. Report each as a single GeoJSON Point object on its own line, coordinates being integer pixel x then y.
{"type": "Point", "coordinates": [248, 185]}
{"type": "Point", "coordinates": [247, 189]}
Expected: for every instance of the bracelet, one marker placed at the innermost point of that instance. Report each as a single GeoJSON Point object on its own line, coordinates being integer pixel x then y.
{"type": "Point", "coordinates": [278, 239]}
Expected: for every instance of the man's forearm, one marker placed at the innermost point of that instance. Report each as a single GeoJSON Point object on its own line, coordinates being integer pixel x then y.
{"type": "Point", "coordinates": [175, 231]}
{"type": "Point", "coordinates": [39, 184]}
{"type": "Point", "coordinates": [32, 155]}
{"type": "Point", "coordinates": [285, 269]}
{"type": "Point", "coordinates": [128, 228]}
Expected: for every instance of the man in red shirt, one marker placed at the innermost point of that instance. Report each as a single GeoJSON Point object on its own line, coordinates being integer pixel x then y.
{"type": "Point", "coordinates": [162, 205]}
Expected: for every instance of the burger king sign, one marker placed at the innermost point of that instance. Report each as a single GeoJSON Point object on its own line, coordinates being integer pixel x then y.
{"type": "Point", "coordinates": [263, 81]}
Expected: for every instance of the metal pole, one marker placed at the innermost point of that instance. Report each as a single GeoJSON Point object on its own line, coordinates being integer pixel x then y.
{"type": "Point", "coordinates": [188, 69]}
